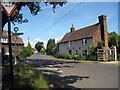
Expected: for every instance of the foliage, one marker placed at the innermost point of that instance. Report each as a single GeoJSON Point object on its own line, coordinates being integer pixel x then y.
{"type": "Point", "coordinates": [34, 7]}
{"type": "Point", "coordinates": [26, 52]}
{"type": "Point", "coordinates": [39, 46]}
{"type": "Point", "coordinates": [90, 57]}
{"type": "Point", "coordinates": [51, 46]}
{"type": "Point", "coordinates": [118, 58]}
{"type": "Point", "coordinates": [92, 51]}
{"type": "Point", "coordinates": [113, 39]}
{"type": "Point", "coordinates": [77, 57]}
{"type": "Point", "coordinates": [42, 50]}
{"type": "Point", "coordinates": [100, 44]}
{"type": "Point", "coordinates": [30, 48]}
{"type": "Point", "coordinates": [24, 77]}
{"type": "Point", "coordinates": [63, 56]}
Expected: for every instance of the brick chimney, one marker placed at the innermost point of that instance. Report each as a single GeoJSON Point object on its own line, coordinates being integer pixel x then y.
{"type": "Point", "coordinates": [103, 26]}
{"type": "Point", "coordinates": [72, 28]}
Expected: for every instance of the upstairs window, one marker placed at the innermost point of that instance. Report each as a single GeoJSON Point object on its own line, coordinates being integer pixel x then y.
{"type": "Point", "coordinates": [70, 43]}
{"type": "Point", "coordinates": [84, 41]}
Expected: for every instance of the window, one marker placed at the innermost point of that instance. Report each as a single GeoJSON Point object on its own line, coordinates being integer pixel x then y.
{"type": "Point", "coordinates": [70, 43]}
{"type": "Point", "coordinates": [76, 52]}
{"type": "Point", "coordinates": [84, 41]}
{"type": "Point", "coordinates": [70, 52]}
{"type": "Point", "coordinates": [84, 52]}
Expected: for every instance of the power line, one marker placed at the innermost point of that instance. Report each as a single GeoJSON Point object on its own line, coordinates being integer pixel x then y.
{"type": "Point", "coordinates": [62, 17]}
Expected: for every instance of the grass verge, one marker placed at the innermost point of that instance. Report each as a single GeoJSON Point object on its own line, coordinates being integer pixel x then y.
{"type": "Point", "coordinates": [87, 61]}
{"type": "Point", "coordinates": [24, 77]}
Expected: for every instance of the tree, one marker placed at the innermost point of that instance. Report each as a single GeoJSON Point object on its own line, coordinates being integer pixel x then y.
{"type": "Point", "coordinates": [42, 50]}
{"type": "Point", "coordinates": [113, 39]}
{"type": "Point", "coordinates": [34, 8]}
{"type": "Point", "coordinates": [51, 45]}
{"type": "Point", "coordinates": [30, 48]}
{"type": "Point", "coordinates": [39, 46]}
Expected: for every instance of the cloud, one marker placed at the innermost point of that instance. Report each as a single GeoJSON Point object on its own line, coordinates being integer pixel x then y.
{"type": "Point", "coordinates": [57, 39]}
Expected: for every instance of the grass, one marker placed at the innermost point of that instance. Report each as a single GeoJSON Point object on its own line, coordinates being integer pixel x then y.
{"type": "Point", "coordinates": [86, 61]}
{"type": "Point", "coordinates": [24, 77]}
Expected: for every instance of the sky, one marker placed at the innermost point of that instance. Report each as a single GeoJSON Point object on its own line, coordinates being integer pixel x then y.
{"type": "Point", "coordinates": [43, 26]}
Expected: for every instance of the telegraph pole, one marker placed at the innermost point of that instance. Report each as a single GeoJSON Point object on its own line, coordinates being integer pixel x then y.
{"type": "Point", "coordinates": [10, 50]}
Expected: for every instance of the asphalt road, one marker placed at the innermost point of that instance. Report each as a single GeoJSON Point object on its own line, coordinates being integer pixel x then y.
{"type": "Point", "coordinates": [69, 74]}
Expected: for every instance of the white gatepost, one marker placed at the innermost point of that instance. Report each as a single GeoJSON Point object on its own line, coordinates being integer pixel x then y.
{"type": "Point", "coordinates": [115, 53]}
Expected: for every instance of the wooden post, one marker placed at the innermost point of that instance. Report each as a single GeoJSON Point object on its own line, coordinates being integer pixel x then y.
{"type": "Point", "coordinates": [10, 50]}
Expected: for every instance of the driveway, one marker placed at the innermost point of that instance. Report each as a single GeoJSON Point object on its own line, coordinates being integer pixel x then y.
{"type": "Point", "coordinates": [69, 74]}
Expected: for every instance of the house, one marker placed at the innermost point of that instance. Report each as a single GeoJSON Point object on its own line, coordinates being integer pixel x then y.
{"type": "Point", "coordinates": [5, 43]}
{"type": "Point", "coordinates": [78, 41]}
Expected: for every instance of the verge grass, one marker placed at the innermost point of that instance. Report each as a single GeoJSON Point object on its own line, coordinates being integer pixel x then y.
{"type": "Point", "coordinates": [86, 61]}
{"type": "Point", "coordinates": [24, 77]}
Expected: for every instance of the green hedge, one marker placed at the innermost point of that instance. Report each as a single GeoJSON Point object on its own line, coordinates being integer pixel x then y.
{"type": "Point", "coordinates": [118, 57]}
{"type": "Point", "coordinates": [77, 57]}
{"type": "Point", "coordinates": [63, 56]}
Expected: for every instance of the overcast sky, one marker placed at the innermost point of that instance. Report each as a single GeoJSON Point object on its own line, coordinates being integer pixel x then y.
{"type": "Point", "coordinates": [43, 26]}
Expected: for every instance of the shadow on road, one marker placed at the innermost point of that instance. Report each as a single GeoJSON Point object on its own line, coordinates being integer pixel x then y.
{"type": "Point", "coordinates": [54, 75]}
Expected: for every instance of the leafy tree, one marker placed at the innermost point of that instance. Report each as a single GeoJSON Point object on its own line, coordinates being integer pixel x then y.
{"type": "Point", "coordinates": [113, 39]}
{"type": "Point", "coordinates": [39, 46]}
{"type": "Point", "coordinates": [42, 50]}
{"type": "Point", "coordinates": [51, 45]}
{"type": "Point", "coordinates": [30, 48]}
{"type": "Point", "coordinates": [34, 8]}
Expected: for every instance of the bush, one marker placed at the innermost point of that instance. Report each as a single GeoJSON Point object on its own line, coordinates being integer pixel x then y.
{"type": "Point", "coordinates": [118, 57]}
{"type": "Point", "coordinates": [90, 57]}
{"type": "Point", "coordinates": [77, 57]}
{"type": "Point", "coordinates": [63, 56]}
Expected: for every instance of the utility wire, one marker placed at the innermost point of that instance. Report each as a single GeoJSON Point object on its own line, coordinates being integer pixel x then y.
{"type": "Point", "coordinates": [62, 17]}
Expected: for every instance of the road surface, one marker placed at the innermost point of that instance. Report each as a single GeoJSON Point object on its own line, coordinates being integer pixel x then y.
{"type": "Point", "coordinates": [69, 74]}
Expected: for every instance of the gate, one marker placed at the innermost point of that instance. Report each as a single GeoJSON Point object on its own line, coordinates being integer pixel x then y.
{"type": "Point", "coordinates": [106, 54]}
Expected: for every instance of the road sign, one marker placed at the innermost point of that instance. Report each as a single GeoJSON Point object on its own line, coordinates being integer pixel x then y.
{"type": "Point", "coordinates": [16, 34]}
{"type": "Point", "coordinates": [9, 6]}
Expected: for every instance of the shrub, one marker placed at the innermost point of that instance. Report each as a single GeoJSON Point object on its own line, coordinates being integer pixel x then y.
{"type": "Point", "coordinates": [90, 57]}
{"type": "Point", "coordinates": [77, 57]}
{"type": "Point", "coordinates": [63, 56]}
{"type": "Point", "coordinates": [118, 57]}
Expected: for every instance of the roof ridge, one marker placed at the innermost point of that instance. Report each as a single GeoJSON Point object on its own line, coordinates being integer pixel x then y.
{"type": "Point", "coordinates": [87, 27]}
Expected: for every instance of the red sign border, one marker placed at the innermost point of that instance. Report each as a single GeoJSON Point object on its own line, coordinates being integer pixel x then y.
{"type": "Point", "coordinates": [9, 14]}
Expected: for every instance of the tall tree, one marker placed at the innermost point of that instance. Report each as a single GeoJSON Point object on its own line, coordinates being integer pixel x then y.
{"type": "Point", "coordinates": [113, 39]}
{"type": "Point", "coordinates": [39, 46]}
{"type": "Point", "coordinates": [34, 8]}
{"type": "Point", "coordinates": [51, 45]}
{"type": "Point", "coordinates": [30, 48]}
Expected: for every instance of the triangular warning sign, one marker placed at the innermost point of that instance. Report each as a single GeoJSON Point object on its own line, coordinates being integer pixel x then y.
{"type": "Point", "coordinates": [9, 7]}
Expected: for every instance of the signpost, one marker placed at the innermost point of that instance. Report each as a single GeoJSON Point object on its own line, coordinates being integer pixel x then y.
{"type": "Point", "coordinates": [16, 34]}
{"type": "Point", "coordinates": [9, 7]}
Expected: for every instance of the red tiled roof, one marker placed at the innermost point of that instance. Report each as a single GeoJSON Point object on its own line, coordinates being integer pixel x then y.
{"type": "Point", "coordinates": [19, 40]}
{"type": "Point", "coordinates": [81, 33]}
